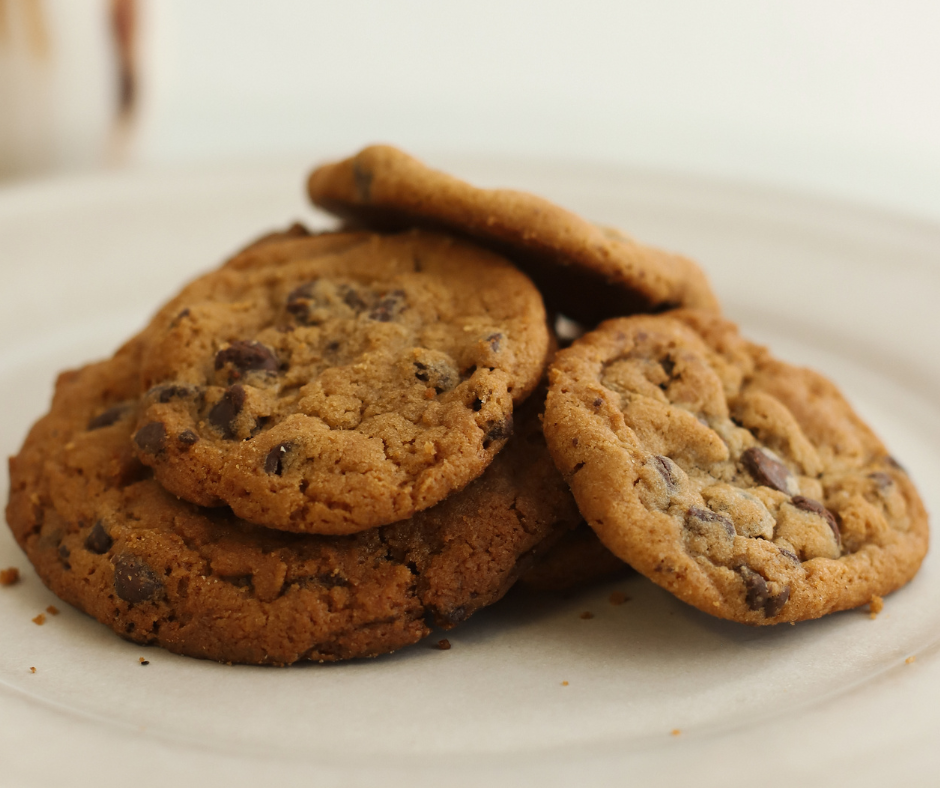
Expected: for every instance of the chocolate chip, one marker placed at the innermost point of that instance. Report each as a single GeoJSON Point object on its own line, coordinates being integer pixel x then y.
{"type": "Point", "coordinates": [134, 581]}
{"type": "Point", "coordinates": [789, 554]}
{"type": "Point", "coordinates": [351, 298]}
{"type": "Point", "coordinates": [246, 357]}
{"type": "Point", "coordinates": [151, 438]}
{"type": "Point", "coordinates": [776, 602]}
{"type": "Point", "coordinates": [809, 505]}
{"type": "Point", "coordinates": [332, 347]}
{"type": "Point", "coordinates": [756, 594]}
{"type": "Point", "coordinates": [64, 555]}
{"type": "Point", "coordinates": [187, 438]}
{"type": "Point", "coordinates": [701, 517]}
{"type": "Point", "coordinates": [441, 375]}
{"type": "Point", "coordinates": [389, 306]}
{"type": "Point", "coordinates": [598, 402]}
{"type": "Point", "coordinates": [107, 418]}
{"type": "Point", "coordinates": [363, 180]}
{"type": "Point", "coordinates": [298, 300]}
{"type": "Point", "coordinates": [164, 394]}
{"type": "Point", "coordinates": [668, 366]}
{"type": "Point", "coordinates": [766, 470]}
{"type": "Point", "coordinates": [226, 410]}
{"type": "Point", "coordinates": [98, 541]}
{"type": "Point", "coordinates": [883, 480]}
{"type": "Point", "coordinates": [495, 341]}
{"type": "Point", "coordinates": [274, 462]}
{"type": "Point", "coordinates": [666, 469]}
{"type": "Point", "coordinates": [499, 431]}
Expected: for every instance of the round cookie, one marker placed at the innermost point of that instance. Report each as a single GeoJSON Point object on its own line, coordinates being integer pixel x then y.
{"type": "Point", "coordinates": [106, 537]}
{"type": "Point", "coordinates": [744, 485]}
{"type": "Point", "coordinates": [585, 271]}
{"type": "Point", "coordinates": [340, 382]}
{"type": "Point", "coordinates": [576, 560]}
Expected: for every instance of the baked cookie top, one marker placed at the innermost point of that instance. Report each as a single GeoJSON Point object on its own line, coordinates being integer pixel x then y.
{"type": "Point", "coordinates": [340, 382]}
{"type": "Point", "coordinates": [744, 485]}
{"type": "Point", "coordinates": [106, 537]}
{"type": "Point", "coordinates": [585, 271]}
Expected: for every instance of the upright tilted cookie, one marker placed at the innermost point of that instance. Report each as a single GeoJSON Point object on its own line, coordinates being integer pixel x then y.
{"type": "Point", "coordinates": [106, 537]}
{"type": "Point", "coordinates": [340, 382]}
{"type": "Point", "coordinates": [745, 486]}
{"type": "Point", "coordinates": [585, 271]}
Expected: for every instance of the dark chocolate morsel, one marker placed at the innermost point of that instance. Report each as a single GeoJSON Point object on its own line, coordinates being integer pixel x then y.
{"type": "Point", "coordinates": [164, 394]}
{"type": "Point", "coordinates": [107, 418]}
{"type": "Point", "coordinates": [809, 505]}
{"type": "Point", "coordinates": [665, 467]}
{"type": "Point", "coordinates": [187, 438]}
{"type": "Point", "coordinates": [98, 540]}
{"type": "Point", "coordinates": [699, 517]}
{"type": "Point", "coordinates": [151, 438]}
{"type": "Point", "coordinates": [766, 470]}
{"type": "Point", "coordinates": [776, 602]}
{"type": "Point", "coordinates": [352, 299]}
{"type": "Point", "coordinates": [246, 357]}
{"type": "Point", "coordinates": [274, 461]}
{"type": "Point", "coordinates": [134, 581]}
{"type": "Point", "coordinates": [755, 586]}
{"type": "Point", "coordinates": [668, 365]}
{"type": "Point", "coordinates": [389, 306]}
{"type": "Point", "coordinates": [64, 555]}
{"type": "Point", "coordinates": [226, 410]}
{"type": "Point", "coordinates": [499, 431]}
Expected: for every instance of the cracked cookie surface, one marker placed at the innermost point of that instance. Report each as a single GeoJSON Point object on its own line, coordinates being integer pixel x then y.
{"type": "Point", "coordinates": [585, 271]}
{"type": "Point", "coordinates": [744, 485]}
{"type": "Point", "coordinates": [340, 382]}
{"type": "Point", "coordinates": [106, 537]}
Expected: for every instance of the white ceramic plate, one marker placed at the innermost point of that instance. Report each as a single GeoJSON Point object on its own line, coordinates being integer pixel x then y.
{"type": "Point", "coordinates": [852, 292]}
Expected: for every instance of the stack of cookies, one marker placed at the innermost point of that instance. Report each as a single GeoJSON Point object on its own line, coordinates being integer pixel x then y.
{"type": "Point", "coordinates": [336, 441]}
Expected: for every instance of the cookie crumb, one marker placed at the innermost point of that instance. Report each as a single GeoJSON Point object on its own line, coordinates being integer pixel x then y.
{"type": "Point", "coordinates": [52, 610]}
{"type": "Point", "coordinates": [876, 605]}
{"type": "Point", "coordinates": [618, 598]}
{"type": "Point", "coordinates": [587, 614]}
{"type": "Point", "coordinates": [144, 661]}
{"type": "Point", "coordinates": [32, 670]}
{"type": "Point", "coordinates": [564, 684]}
{"type": "Point", "coordinates": [443, 645]}
{"type": "Point", "coordinates": [39, 620]}
{"type": "Point", "coordinates": [9, 576]}
{"type": "Point", "coordinates": [910, 660]}
{"type": "Point", "coordinates": [676, 732]}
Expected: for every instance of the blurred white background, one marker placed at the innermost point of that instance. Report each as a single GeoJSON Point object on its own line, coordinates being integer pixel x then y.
{"type": "Point", "coordinates": [836, 97]}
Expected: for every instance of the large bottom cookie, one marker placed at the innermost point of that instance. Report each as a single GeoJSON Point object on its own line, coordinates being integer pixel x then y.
{"type": "Point", "coordinates": [104, 536]}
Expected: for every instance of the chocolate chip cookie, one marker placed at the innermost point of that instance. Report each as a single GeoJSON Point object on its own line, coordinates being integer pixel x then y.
{"type": "Point", "coordinates": [585, 271]}
{"type": "Point", "coordinates": [744, 485]}
{"type": "Point", "coordinates": [339, 382]}
{"type": "Point", "coordinates": [106, 537]}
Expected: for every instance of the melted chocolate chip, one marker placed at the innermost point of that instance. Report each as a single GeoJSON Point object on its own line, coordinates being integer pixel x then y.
{"type": "Point", "coordinates": [226, 410]}
{"type": "Point", "coordinates": [499, 431]}
{"type": "Point", "coordinates": [352, 299]}
{"type": "Point", "coordinates": [755, 588]}
{"type": "Point", "coordinates": [98, 540]}
{"type": "Point", "coordinates": [598, 402]}
{"type": "Point", "coordinates": [64, 555]}
{"type": "Point", "coordinates": [668, 366]}
{"type": "Point", "coordinates": [187, 438]}
{"type": "Point", "coordinates": [134, 581]}
{"type": "Point", "coordinates": [766, 470]}
{"type": "Point", "coordinates": [107, 418]}
{"type": "Point", "coordinates": [151, 438]}
{"type": "Point", "coordinates": [667, 470]}
{"type": "Point", "coordinates": [883, 480]}
{"type": "Point", "coordinates": [809, 505]}
{"type": "Point", "coordinates": [298, 300]}
{"type": "Point", "coordinates": [164, 394]}
{"type": "Point", "coordinates": [699, 517]}
{"type": "Point", "coordinates": [439, 375]}
{"type": "Point", "coordinates": [389, 306]}
{"type": "Point", "coordinates": [776, 602]}
{"type": "Point", "coordinates": [274, 461]}
{"type": "Point", "coordinates": [246, 357]}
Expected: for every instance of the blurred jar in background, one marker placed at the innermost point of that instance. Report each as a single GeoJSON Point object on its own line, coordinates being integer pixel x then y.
{"type": "Point", "coordinates": [68, 84]}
